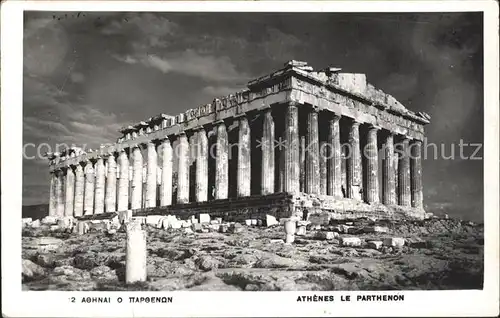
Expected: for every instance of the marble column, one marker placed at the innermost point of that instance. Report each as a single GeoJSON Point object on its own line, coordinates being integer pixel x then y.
{"type": "Point", "coordinates": [244, 158]}
{"type": "Point", "coordinates": [222, 163]}
{"type": "Point", "coordinates": [183, 169]}
{"type": "Point", "coordinates": [267, 145]}
{"type": "Point", "coordinates": [334, 162]}
{"type": "Point", "coordinates": [110, 201]}
{"type": "Point", "coordinates": [166, 173]}
{"type": "Point", "coordinates": [123, 182]}
{"type": "Point", "coordinates": [52, 194]}
{"type": "Point", "coordinates": [79, 190]}
{"type": "Point", "coordinates": [137, 166]}
{"type": "Point", "coordinates": [70, 192]}
{"type": "Point", "coordinates": [388, 172]}
{"type": "Point", "coordinates": [291, 166]}
{"type": "Point", "coordinates": [416, 174]}
{"type": "Point", "coordinates": [404, 187]}
{"type": "Point", "coordinates": [60, 193]}
{"type": "Point", "coordinates": [323, 148]}
{"type": "Point", "coordinates": [152, 162]}
{"type": "Point", "coordinates": [353, 165]}
{"type": "Point", "coordinates": [100, 181]}
{"type": "Point", "coordinates": [371, 153]}
{"type": "Point", "coordinates": [201, 188]}
{"type": "Point", "coordinates": [312, 154]}
{"type": "Point", "coordinates": [88, 204]}
{"type": "Point", "coordinates": [302, 164]}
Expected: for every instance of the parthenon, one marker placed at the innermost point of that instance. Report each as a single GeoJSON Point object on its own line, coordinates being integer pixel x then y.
{"type": "Point", "coordinates": [294, 142]}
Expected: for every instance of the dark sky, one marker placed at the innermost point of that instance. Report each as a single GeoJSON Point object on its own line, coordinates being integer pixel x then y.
{"type": "Point", "coordinates": [87, 75]}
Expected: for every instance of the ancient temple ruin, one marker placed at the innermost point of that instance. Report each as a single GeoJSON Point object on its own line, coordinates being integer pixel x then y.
{"type": "Point", "coordinates": [294, 142]}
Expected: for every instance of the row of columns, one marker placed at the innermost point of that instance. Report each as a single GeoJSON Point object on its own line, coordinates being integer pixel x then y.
{"type": "Point", "coordinates": [93, 187]}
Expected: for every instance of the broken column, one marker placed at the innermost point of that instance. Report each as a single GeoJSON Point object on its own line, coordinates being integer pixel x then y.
{"type": "Point", "coordinates": [371, 153]}
{"type": "Point", "coordinates": [79, 190]}
{"type": "Point", "coordinates": [201, 194]}
{"type": "Point", "coordinates": [334, 162]}
{"type": "Point", "coordinates": [166, 172]}
{"type": "Point", "coordinates": [388, 172]}
{"type": "Point", "coordinates": [244, 158]}
{"type": "Point", "coordinates": [416, 174]}
{"type": "Point", "coordinates": [183, 169]}
{"type": "Point", "coordinates": [291, 167]}
{"type": "Point", "coordinates": [100, 180]}
{"type": "Point", "coordinates": [110, 201]}
{"type": "Point", "coordinates": [88, 204]}
{"type": "Point", "coordinates": [267, 145]}
{"type": "Point", "coordinates": [136, 254]}
{"type": "Point", "coordinates": [312, 153]}
{"type": "Point", "coordinates": [70, 192]}
{"type": "Point", "coordinates": [136, 195]}
{"type": "Point", "coordinates": [151, 177]}
{"type": "Point", "coordinates": [353, 164]}
{"type": "Point", "coordinates": [404, 173]}
{"type": "Point", "coordinates": [123, 182]}
{"type": "Point", "coordinates": [222, 163]}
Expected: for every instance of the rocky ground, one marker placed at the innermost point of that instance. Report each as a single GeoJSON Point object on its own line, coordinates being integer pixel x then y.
{"type": "Point", "coordinates": [437, 254]}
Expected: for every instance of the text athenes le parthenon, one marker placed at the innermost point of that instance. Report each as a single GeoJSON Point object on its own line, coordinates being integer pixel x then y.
{"type": "Point", "coordinates": [294, 142]}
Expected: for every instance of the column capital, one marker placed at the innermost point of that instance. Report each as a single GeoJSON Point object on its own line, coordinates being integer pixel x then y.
{"type": "Point", "coordinates": [293, 103]}
{"type": "Point", "coordinates": [374, 127]}
{"type": "Point", "coordinates": [335, 117]}
{"type": "Point", "coordinates": [354, 122]}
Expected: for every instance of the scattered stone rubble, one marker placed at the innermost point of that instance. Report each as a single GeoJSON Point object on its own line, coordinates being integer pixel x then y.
{"type": "Point", "coordinates": [89, 254]}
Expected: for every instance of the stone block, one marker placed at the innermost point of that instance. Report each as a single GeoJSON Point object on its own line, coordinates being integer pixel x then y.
{"type": "Point", "coordinates": [54, 227]}
{"type": "Point", "coordinates": [204, 218]}
{"type": "Point", "coordinates": [193, 219]}
{"type": "Point", "coordinates": [188, 230]}
{"type": "Point", "coordinates": [301, 230]}
{"type": "Point", "coordinates": [259, 222]}
{"type": "Point", "coordinates": [35, 224]}
{"type": "Point", "coordinates": [271, 220]}
{"type": "Point", "coordinates": [350, 241]}
{"type": "Point", "coordinates": [176, 224]}
{"type": "Point", "coordinates": [303, 223]}
{"type": "Point", "coordinates": [319, 218]}
{"type": "Point", "coordinates": [248, 222]}
{"type": "Point", "coordinates": [375, 229]}
{"type": "Point", "coordinates": [124, 216]}
{"type": "Point", "coordinates": [26, 221]}
{"type": "Point", "coordinates": [375, 244]}
{"type": "Point", "coordinates": [344, 228]}
{"type": "Point", "coordinates": [196, 227]}
{"type": "Point", "coordinates": [49, 220]}
{"type": "Point", "coordinates": [154, 220]}
{"type": "Point", "coordinates": [235, 228]}
{"type": "Point", "coordinates": [254, 222]}
{"type": "Point", "coordinates": [326, 235]}
{"type": "Point", "coordinates": [185, 224]}
{"type": "Point", "coordinates": [219, 220]}
{"type": "Point", "coordinates": [214, 222]}
{"type": "Point", "coordinates": [223, 228]}
{"type": "Point", "coordinates": [394, 241]}
{"type": "Point", "coordinates": [65, 222]}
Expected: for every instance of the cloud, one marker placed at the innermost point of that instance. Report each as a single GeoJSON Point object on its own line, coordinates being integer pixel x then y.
{"type": "Point", "coordinates": [216, 91]}
{"type": "Point", "coordinates": [77, 77]}
{"type": "Point", "coordinates": [189, 62]}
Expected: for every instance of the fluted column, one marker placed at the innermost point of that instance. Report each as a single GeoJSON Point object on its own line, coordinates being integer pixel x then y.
{"type": "Point", "coordinates": [334, 159]}
{"type": "Point", "coordinates": [222, 163]}
{"type": "Point", "coordinates": [123, 182]}
{"type": "Point", "coordinates": [60, 193]}
{"type": "Point", "coordinates": [166, 173]}
{"type": "Point", "coordinates": [371, 153]}
{"type": "Point", "coordinates": [267, 145]}
{"type": "Point", "coordinates": [291, 166]}
{"type": "Point", "coordinates": [323, 147]}
{"type": "Point", "coordinates": [388, 173]}
{"type": "Point", "coordinates": [70, 192]}
{"type": "Point", "coordinates": [137, 166]}
{"type": "Point", "coordinates": [312, 154]}
{"type": "Point", "coordinates": [52, 194]}
{"type": "Point", "coordinates": [404, 173]}
{"type": "Point", "coordinates": [151, 176]}
{"type": "Point", "coordinates": [110, 200]}
{"type": "Point", "coordinates": [416, 174]}
{"type": "Point", "coordinates": [88, 204]}
{"type": "Point", "coordinates": [244, 158]}
{"type": "Point", "coordinates": [100, 181]}
{"type": "Point", "coordinates": [353, 164]}
{"type": "Point", "coordinates": [79, 190]}
{"type": "Point", "coordinates": [183, 170]}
